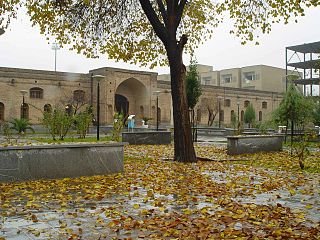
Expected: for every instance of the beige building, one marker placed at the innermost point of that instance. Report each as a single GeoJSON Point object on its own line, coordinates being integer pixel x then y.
{"type": "Point", "coordinates": [132, 92]}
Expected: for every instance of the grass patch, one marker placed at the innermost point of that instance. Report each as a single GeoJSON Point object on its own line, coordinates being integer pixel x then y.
{"type": "Point", "coordinates": [72, 139]}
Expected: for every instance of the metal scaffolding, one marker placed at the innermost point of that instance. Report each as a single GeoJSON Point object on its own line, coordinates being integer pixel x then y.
{"type": "Point", "coordinates": [304, 62]}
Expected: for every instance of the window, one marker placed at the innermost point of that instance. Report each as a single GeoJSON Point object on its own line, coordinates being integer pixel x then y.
{"type": "Point", "coordinates": [226, 78]}
{"type": "Point", "coordinates": [227, 102]}
{"type": "Point", "coordinates": [242, 115]}
{"type": "Point", "coordinates": [47, 108]}
{"type": "Point", "coordinates": [260, 116]}
{"type": "Point", "coordinates": [264, 105]}
{"type": "Point", "coordinates": [206, 80]}
{"type": "Point", "coordinates": [36, 93]}
{"type": "Point", "coordinates": [78, 95]}
{"type": "Point", "coordinates": [24, 111]}
{"type": "Point", "coordinates": [232, 116]}
{"type": "Point", "coordinates": [250, 76]}
{"type": "Point", "coordinates": [246, 103]}
{"type": "Point", "coordinates": [1, 111]}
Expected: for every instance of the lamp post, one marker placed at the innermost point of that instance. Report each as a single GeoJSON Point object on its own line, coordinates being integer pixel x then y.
{"type": "Point", "coordinates": [157, 106]}
{"type": "Point", "coordinates": [219, 109]}
{"type": "Point", "coordinates": [23, 92]}
{"type": "Point", "coordinates": [238, 104]}
{"type": "Point", "coordinates": [55, 47]}
{"type": "Point", "coordinates": [98, 78]}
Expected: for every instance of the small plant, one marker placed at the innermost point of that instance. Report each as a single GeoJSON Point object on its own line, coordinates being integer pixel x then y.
{"type": "Point", "coordinates": [234, 120]}
{"type": "Point", "coordinates": [146, 119]}
{"type": "Point", "coordinates": [117, 126]}
{"type": "Point", "coordinates": [239, 128]}
{"type": "Point", "coordinates": [7, 132]}
{"type": "Point", "coordinates": [82, 122]}
{"type": "Point", "coordinates": [300, 147]}
{"type": "Point", "coordinates": [21, 125]}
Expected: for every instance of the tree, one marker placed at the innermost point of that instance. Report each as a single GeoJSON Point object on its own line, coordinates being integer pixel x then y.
{"type": "Point", "coordinates": [249, 115]}
{"type": "Point", "coordinates": [210, 104]}
{"type": "Point", "coordinates": [294, 109]}
{"type": "Point", "coordinates": [193, 86]}
{"type": "Point", "coordinates": [156, 32]}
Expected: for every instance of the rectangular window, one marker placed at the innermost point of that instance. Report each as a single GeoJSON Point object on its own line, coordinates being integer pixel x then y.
{"type": "Point", "coordinates": [206, 80]}
{"type": "Point", "coordinates": [227, 102]}
{"type": "Point", "coordinates": [264, 105]}
{"type": "Point", "coordinates": [250, 76]}
{"type": "Point", "coordinates": [227, 78]}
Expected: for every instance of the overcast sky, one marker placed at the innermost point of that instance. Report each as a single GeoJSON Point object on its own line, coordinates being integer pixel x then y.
{"type": "Point", "coordinates": [24, 47]}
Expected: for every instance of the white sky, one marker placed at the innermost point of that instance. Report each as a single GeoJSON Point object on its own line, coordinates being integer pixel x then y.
{"type": "Point", "coordinates": [24, 47]}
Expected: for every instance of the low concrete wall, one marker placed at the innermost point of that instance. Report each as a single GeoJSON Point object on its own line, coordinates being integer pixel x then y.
{"type": "Point", "coordinates": [59, 161]}
{"type": "Point", "coordinates": [253, 144]}
{"type": "Point", "coordinates": [150, 137]}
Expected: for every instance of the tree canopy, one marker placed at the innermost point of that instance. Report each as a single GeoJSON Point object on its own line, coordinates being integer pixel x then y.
{"type": "Point", "coordinates": [121, 29]}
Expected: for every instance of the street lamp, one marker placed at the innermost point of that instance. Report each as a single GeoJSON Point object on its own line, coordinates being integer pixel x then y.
{"type": "Point", "coordinates": [157, 106]}
{"type": "Point", "coordinates": [55, 47]}
{"type": "Point", "coordinates": [219, 105]}
{"type": "Point", "coordinates": [98, 78]}
{"type": "Point", "coordinates": [23, 92]}
{"type": "Point", "coordinates": [238, 104]}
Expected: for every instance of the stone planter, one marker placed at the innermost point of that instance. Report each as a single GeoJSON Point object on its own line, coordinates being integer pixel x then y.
{"type": "Point", "coordinates": [147, 137]}
{"type": "Point", "coordinates": [252, 144]}
{"type": "Point", "coordinates": [59, 161]}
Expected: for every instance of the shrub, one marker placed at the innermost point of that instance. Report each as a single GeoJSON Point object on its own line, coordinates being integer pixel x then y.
{"type": "Point", "coordinates": [58, 122]}
{"type": "Point", "coordinates": [117, 126]}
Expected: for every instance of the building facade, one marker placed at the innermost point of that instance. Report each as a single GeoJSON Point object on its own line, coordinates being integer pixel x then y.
{"type": "Point", "coordinates": [128, 91]}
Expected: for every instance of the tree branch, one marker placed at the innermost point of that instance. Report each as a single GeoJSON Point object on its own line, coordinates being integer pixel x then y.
{"type": "Point", "coordinates": [164, 14]}
{"type": "Point", "coordinates": [180, 9]}
{"type": "Point", "coordinates": [158, 27]}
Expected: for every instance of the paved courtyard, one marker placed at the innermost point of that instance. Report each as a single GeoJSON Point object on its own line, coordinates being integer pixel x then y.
{"type": "Point", "coordinates": [158, 199]}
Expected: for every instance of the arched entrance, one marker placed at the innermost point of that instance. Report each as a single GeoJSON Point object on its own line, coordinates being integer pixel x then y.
{"type": "Point", "coordinates": [121, 104]}
{"type": "Point", "coordinates": [130, 97]}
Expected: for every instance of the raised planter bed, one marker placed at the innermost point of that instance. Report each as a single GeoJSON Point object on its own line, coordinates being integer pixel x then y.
{"type": "Point", "coordinates": [148, 137]}
{"type": "Point", "coordinates": [59, 161]}
{"type": "Point", "coordinates": [252, 144]}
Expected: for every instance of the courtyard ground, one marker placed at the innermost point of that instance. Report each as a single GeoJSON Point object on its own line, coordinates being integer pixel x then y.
{"type": "Point", "coordinates": [257, 196]}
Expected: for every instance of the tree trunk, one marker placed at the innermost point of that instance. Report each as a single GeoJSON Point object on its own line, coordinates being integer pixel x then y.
{"type": "Point", "coordinates": [183, 145]}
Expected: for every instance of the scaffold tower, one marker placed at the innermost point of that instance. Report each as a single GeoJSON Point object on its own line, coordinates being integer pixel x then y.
{"type": "Point", "coordinates": [304, 61]}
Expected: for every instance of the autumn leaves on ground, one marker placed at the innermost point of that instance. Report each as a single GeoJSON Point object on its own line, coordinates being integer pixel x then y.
{"type": "Point", "coordinates": [261, 196]}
